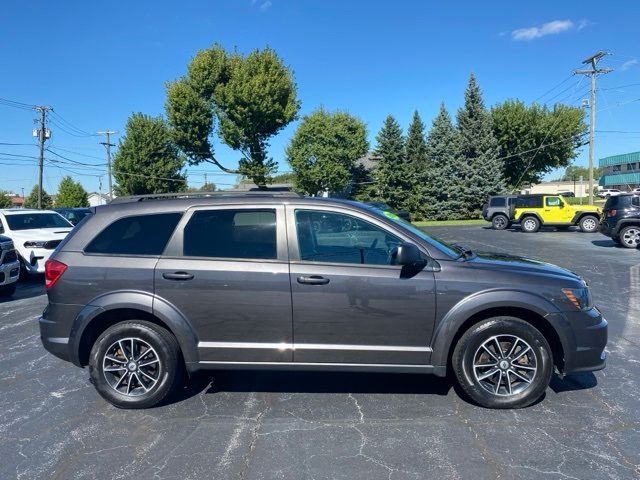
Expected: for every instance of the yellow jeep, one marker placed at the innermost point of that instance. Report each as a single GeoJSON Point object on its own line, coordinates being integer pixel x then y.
{"type": "Point", "coordinates": [533, 211]}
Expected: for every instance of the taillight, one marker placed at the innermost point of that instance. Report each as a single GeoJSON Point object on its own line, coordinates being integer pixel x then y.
{"type": "Point", "coordinates": [53, 270]}
{"type": "Point", "coordinates": [612, 213]}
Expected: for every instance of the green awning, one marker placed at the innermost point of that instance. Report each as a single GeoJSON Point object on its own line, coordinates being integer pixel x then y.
{"type": "Point", "coordinates": [620, 179]}
{"type": "Point", "coordinates": [620, 159]}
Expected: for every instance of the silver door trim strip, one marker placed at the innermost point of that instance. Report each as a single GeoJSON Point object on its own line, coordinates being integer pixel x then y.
{"type": "Point", "coordinates": [312, 364]}
{"type": "Point", "coordinates": [311, 346]}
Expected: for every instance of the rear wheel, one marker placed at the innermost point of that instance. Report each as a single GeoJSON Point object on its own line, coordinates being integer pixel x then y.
{"type": "Point", "coordinates": [135, 364]}
{"type": "Point", "coordinates": [630, 236]}
{"type": "Point", "coordinates": [503, 362]}
{"type": "Point", "coordinates": [530, 224]}
{"type": "Point", "coordinates": [589, 224]}
{"type": "Point", "coordinates": [500, 222]}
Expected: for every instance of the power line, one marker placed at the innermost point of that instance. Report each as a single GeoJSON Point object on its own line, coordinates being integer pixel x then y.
{"type": "Point", "coordinates": [71, 126]}
{"type": "Point", "coordinates": [15, 104]}
{"type": "Point", "coordinates": [553, 88]}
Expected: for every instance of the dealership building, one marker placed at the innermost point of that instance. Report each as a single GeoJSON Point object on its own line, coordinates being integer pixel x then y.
{"type": "Point", "coordinates": [620, 171]}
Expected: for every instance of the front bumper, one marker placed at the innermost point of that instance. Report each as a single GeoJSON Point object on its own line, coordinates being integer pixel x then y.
{"type": "Point", "coordinates": [34, 259]}
{"type": "Point", "coordinates": [586, 350]}
{"type": "Point", "coordinates": [9, 273]}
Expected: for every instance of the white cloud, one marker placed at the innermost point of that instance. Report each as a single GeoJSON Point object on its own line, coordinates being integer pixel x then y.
{"type": "Point", "coordinates": [628, 64]}
{"type": "Point", "coordinates": [265, 6]}
{"type": "Point", "coordinates": [550, 28]}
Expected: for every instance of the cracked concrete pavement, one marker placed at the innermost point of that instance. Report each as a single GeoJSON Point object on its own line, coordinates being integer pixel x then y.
{"type": "Point", "coordinates": [254, 425]}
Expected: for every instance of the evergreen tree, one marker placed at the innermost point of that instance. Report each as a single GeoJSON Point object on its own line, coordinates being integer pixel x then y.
{"type": "Point", "coordinates": [147, 160]}
{"type": "Point", "coordinates": [417, 163]}
{"type": "Point", "coordinates": [391, 180]}
{"type": "Point", "coordinates": [443, 180]}
{"type": "Point", "coordinates": [32, 200]}
{"type": "Point", "coordinates": [483, 175]}
{"type": "Point", "coordinates": [71, 194]}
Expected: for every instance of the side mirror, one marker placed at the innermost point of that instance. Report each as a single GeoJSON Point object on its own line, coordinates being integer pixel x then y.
{"type": "Point", "coordinates": [407, 254]}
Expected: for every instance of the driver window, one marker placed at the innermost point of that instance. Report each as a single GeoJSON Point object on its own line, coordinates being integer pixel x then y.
{"type": "Point", "coordinates": [337, 238]}
{"type": "Point", "coordinates": [553, 201]}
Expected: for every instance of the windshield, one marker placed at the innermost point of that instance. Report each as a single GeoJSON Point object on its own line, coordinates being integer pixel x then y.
{"type": "Point", "coordinates": [435, 242]}
{"type": "Point", "coordinates": [29, 221]}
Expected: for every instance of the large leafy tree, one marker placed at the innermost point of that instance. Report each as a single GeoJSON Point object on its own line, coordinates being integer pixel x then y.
{"type": "Point", "coordinates": [244, 99]}
{"type": "Point", "coordinates": [32, 199]}
{"type": "Point", "coordinates": [324, 150]}
{"type": "Point", "coordinates": [534, 140]}
{"type": "Point", "coordinates": [444, 178]}
{"type": "Point", "coordinates": [391, 173]}
{"type": "Point", "coordinates": [483, 175]}
{"type": "Point", "coordinates": [5, 200]}
{"type": "Point", "coordinates": [574, 172]}
{"type": "Point", "coordinates": [71, 194]}
{"type": "Point", "coordinates": [147, 160]}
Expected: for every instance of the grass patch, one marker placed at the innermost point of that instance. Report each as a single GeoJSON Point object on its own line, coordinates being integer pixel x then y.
{"type": "Point", "coordinates": [449, 223]}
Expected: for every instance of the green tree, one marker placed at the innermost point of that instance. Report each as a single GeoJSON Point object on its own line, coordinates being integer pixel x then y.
{"type": "Point", "coordinates": [535, 140]}
{"type": "Point", "coordinates": [32, 200]}
{"type": "Point", "coordinates": [391, 172]}
{"type": "Point", "coordinates": [444, 178]}
{"type": "Point", "coordinates": [147, 160]}
{"type": "Point", "coordinates": [71, 194]}
{"type": "Point", "coordinates": [574, 172]}
{"type": "Point", "coordinates": [324, 149]}
{"type": "Point", "coordinates": [246, 99]}
{"type": "Point", "coordinates": [417, 166]}
{"type": "Point", "coordinates": [205, 187]}
{"type": "Point", "coordinates": [483, 173]}
{"type": "Point", "coordinates": [5, 200]}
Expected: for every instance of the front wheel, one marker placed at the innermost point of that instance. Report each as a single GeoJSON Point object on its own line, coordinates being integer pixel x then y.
{"type": "Point", "coordinates": [135, 364]}
{"type": "Point", "coordinates": [500, 222]}
{"type": "Point", "coordinates": [589, 224]}
{"type": "Point", "coordinates": [503, 362]}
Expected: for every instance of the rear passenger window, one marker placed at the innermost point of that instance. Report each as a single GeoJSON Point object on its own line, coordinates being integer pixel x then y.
{"type": "Point", "coordinates": [136, 235]}
{"type": "Point", "coordinates": [529, 202]}
{"type": "Point", "coordinates": [231, 234]}
{"type": "Point", "coordinates": [498, 202]}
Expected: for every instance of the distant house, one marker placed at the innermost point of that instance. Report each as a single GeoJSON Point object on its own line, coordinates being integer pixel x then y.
{"type": "Point", "coordinates": [577, 188]}
{"type": "Point", "coordinates": [96, 199]}
{"type": "Point", "coordinates": [17, 200]}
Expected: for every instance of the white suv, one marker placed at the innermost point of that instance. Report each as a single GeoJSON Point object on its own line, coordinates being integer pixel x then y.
{"type": "Point", "coordinates": [608, 192]}
{"type": "Point", "coordinates": [35, 234]}
{"type": "Point", "coordinates": [9, 267]}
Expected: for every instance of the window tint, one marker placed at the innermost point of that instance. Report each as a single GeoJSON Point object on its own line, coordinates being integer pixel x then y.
{"type": "Point", "coordinates": [136, 235]}
{"type": "Point", "coordinates": [337, 238]}
{"type": "Point", "coordinates": [28, 221]}
{"type": "Point", "coordinates": [553, 201]}
{"type": "Point", "coordinates": [498, 202]}
{"type": "Point", "coordinates": [635, 201]}
{"type": "Point", "coordinates": [231, 234]}
{"type": "Point", "coordinates": [529, 202]}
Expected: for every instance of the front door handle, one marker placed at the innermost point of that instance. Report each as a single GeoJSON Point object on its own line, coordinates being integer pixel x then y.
{"type": "Point", "coordinates": [313, 280]}
{"type": "Point", "coordinates": [178, 276]}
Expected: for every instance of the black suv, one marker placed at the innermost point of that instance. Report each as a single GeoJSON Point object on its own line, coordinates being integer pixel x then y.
{"type": "Point", "coordinates": [147, 287]}
{"type": "Point", "coordinates": [621, 219]}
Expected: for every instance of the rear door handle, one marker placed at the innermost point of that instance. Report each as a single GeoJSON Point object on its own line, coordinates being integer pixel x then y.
{"type": "Point", "coordinates": [178, 276]}
{"type": "Point", "coordinates": [313, 280]}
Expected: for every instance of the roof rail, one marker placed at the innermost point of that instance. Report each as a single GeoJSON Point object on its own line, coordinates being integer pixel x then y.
{"type": "Point", "coordinates": [220, 193]}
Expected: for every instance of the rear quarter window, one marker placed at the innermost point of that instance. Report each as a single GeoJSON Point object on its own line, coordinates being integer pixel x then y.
{"type": "Point", "coordinates": [135, 235]}
{"type": "Point", "coordinates": [498, 202]}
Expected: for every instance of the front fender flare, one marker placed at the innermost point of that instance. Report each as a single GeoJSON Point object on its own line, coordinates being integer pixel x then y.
{"type": "Point", "coordinates": [450, 325]}
{"type": "Point", "coordinates": [135, 300]}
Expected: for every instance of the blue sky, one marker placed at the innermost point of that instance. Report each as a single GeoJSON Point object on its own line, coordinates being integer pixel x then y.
{"type": "Point", "coordinates": [97, 62]}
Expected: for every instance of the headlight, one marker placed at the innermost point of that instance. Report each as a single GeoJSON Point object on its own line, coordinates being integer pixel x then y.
{"type": "Point", "coordinates": [34, 244]}
{"type": "Point", "coordinates": [579, 297]}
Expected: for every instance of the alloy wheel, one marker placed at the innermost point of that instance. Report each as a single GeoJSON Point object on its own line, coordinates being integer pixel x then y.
{"type": "Point", "coordinates": [589, 224]}
{"type": "Point", "coordinates": [529, 225]}
{"type": "Point", "coordinates": [131, 366]}
{"type": "Point", "coordinates": [500, 222]}
{"type": "Point", "coordinates": [505, 365]}
{"type": "Point", "coordinates": [631, 237]}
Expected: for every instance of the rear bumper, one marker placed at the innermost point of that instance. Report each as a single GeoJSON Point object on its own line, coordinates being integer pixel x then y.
{"type": "Point", "coordinates": [55, 329]}
{"type": "Point", "coordinates": [590, 332]}
{"type": "Point", "coordinates": [608, 229]}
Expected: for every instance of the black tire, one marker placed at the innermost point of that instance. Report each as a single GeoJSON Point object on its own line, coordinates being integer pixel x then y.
{"type": "Point", "coordinates": [469, 349]}
{"type": "Point", "coordinates": [500, 222]}
{"type": "Point", "coordinates": [589, 224]}
{"type": "Point", "coordinates": [530, 224]}
{"type": "Point", "coordinates": [630, 236]}
{"type": "Point", "coordinates": [8, 291]}
{"type": "Point", "coordinates": [168, 372]}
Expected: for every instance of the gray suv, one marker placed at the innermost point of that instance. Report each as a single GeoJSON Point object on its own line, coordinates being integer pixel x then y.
{"type": "Point", "coordinates": [149, 287]}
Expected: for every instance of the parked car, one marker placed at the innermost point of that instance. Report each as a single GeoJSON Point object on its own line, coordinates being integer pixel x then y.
{"type": "Point", "coordinates": [498, 209]}
{"type": "Point", "coordinates": [9, 267]}
{"type": "Point", "coordinates": [533, 211]}
{"type": "Point", "coordinates": [621, 219]}
{"type": "Point", "coordinates": [35, 233]}
{"type": "Point", "coordinates": [608, 192]}
{"type": "Point", "coordinates": [567, 194]}
{"type": "Point", "coordinates": [74, 215]}
{"type": "Point", "coordinates": [143, 289]}
{"type": "Point", "coordinates": [386, 208]}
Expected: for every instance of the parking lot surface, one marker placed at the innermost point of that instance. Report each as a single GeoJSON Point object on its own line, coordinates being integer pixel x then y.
{"type": "Point", "coordinates": [297, 425]}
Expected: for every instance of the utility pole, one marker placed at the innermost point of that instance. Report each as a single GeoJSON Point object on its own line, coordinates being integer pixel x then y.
{"type": "Point", "coordinates": [108, 145]}
{"type": "Point", "coordinates": [43, 134]}
{"type": "Point", "coordinates": [593, 72]}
